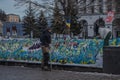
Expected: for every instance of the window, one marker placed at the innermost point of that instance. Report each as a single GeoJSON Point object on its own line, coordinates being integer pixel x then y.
{"type": "Point", "coordinates": [100, 6]}
{"type": "Point", "coordinates": [117, 6]}
{"type": "Point", "coordinates": [8, 31]}
{"type": "Point", "coordinates": [84, 8]}
{"type": "Point", "coordinates": [118, 34]}
{"type": "Point", "coordinates": [109, 5]}
{"type": "Point", "coordinates": [92, 7]}
{"type": "Point", "coordinates": [14, 30]}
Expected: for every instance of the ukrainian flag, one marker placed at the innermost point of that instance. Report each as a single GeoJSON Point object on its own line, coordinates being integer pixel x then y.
{"type": "Point", "coordinates": [68, 23]}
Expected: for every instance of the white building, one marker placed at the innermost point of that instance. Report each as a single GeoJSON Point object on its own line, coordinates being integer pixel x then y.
{"type": "Point", "coordinates": [97, 13]}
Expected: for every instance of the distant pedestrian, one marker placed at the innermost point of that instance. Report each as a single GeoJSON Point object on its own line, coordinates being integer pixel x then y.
{"type": "Point", "coordinates": [45, 43]}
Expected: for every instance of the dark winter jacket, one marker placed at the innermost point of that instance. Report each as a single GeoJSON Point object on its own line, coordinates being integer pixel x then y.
{"type": "Point", "coordinates": [45, 38]}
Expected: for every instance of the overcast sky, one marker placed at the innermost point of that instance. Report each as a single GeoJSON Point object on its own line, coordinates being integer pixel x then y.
{"type": "Point", "coordinates": [9, 8]}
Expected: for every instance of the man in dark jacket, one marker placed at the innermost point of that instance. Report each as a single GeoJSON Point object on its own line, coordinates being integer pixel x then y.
{"type": "Point", "coordinates": [45, 43]}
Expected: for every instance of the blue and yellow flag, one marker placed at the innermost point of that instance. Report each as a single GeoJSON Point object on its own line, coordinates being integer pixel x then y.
{"type": "Point", "coordinates": [68, 23]}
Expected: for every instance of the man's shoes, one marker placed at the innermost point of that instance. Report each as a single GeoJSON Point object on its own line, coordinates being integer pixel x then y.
{"type": "Point", "coordinates": [46, 68]}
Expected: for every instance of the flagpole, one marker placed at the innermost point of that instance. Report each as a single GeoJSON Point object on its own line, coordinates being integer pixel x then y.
{"type": "Point", "coordinates": [68, 25]}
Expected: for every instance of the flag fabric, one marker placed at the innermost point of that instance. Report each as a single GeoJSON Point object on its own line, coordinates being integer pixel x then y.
{"type": "Point", "coordinates": [110, 16]}
{"type": "Point", "coordinates": [68, 23]}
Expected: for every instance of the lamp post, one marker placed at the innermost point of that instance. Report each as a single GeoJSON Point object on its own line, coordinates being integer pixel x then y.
{"type": "Point", "coordinates": [31, 31]}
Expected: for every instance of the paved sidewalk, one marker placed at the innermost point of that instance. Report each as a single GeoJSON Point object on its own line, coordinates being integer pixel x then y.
{"type": "Point", "coordinates": [25, 73]}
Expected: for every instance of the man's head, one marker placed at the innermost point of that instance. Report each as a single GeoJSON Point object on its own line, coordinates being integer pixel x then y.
{"type": "Point", "coordinates": [48, 29]}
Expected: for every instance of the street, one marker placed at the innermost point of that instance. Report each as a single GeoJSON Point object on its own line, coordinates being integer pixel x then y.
{"type": "Point", "coordinates": [25, 73]}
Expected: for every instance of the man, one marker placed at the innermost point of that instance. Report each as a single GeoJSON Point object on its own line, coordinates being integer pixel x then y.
{"type": "Point", "coordinates": [45, 43]}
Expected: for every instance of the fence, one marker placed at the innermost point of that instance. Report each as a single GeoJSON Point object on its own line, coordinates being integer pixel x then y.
{"type": "Point", "coordinates": [73, 51]}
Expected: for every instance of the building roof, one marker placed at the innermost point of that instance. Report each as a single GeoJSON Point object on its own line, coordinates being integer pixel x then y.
{"type": "Point", "coordinates": [12, 14]}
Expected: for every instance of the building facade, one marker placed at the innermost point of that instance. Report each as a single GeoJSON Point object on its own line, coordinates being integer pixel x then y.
{"type": "Point", "coordinates": [99, 13]}
{"type": "Point", "coordinates": [12, 29]}
{"type": "Point", "coordinates": [13, 18]}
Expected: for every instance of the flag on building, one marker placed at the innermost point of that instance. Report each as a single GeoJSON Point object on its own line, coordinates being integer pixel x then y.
{"type": "Point", "coordinates": [110, 16]}
{"type": "Point", "coordinates": [68, 23]}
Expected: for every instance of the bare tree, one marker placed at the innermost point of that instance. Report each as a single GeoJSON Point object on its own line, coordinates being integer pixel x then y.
{"type": "Point", "coordinates": [68, 8]}
{"type": "Point", "coordinates": [45, 5]}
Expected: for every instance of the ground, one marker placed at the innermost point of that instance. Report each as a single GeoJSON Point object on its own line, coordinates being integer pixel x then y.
{"type": "Point", "coordinates": [25, 73]}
